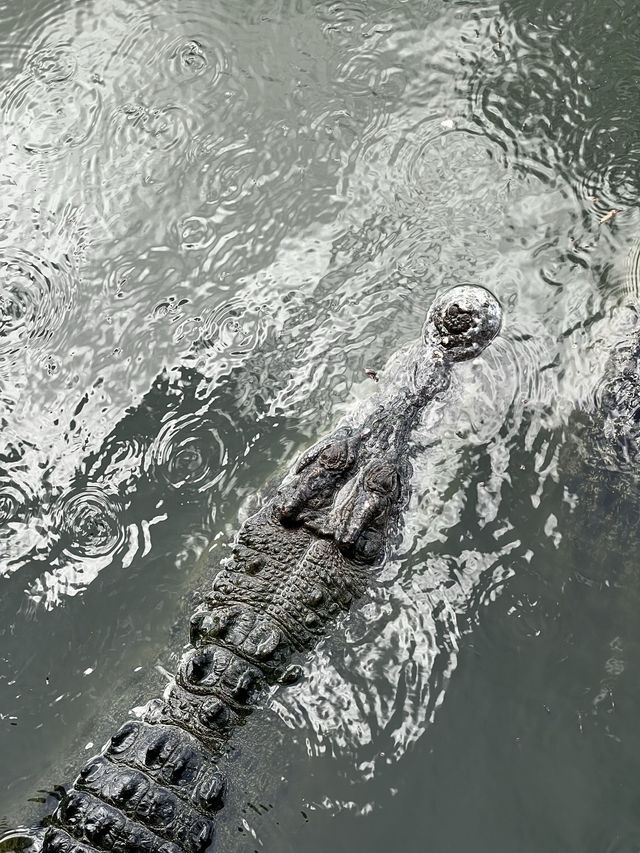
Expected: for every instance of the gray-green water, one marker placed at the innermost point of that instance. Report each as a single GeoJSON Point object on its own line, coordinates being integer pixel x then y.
{"type": "Point", "coordinates": [213, 217]}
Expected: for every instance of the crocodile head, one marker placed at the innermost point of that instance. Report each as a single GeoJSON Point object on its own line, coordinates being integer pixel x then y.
{"type": "Point", "coordinates": [351, 487]}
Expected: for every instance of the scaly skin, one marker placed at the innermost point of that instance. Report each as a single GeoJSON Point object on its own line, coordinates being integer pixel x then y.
{"type": "Point", "coordinates": [599, 463]}
{"type": "Point", "coordinates": [297, 563]}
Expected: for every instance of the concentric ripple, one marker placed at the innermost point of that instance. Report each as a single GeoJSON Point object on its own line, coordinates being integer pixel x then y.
{"type": "Point", "coordinates": [232, 328]}
{"type": "Point", "coordinates": [365, 74]}
{"type": "Point", "coordinates": [18, 840]}
{"type": "Point", "coordinates": [156, 128]}
{"type": "Point", "coordinates": [189, 452]}
{"type": "Point", "coordinates": [617, 440]}
{"type": "Point", "coordinates": [196, 233]}
{"type": "Point", "coordinates": [15, 499]}
{"type": "Point", "coordinates": [34, 300]}
{"type": "Point", "coordinates": [316, 161]}
{"type": "Point", "coordinates": [232, 171]}
{"type": "Point", "coordinates": [203, 50]}
{"type": "Point", "coordinates": [144, 144]}
{"type": "Point", "coordinates": [609, 175]}
{"type": "Point", "coordinates": [90, 523]}
{"type": "Point", "coordinates": [53, 64]}
{"type": "Point", "coordinates": [590, 133]}
{"type": "Point", "coordinates": [18, 533]}
{"type": "Point", "coordinates": [189, 58]}
{"type": "Point", "coordinates": [50, 108]}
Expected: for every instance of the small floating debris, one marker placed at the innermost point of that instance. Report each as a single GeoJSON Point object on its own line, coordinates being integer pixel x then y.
{"type": "Point", "coordinates": [608, 216]}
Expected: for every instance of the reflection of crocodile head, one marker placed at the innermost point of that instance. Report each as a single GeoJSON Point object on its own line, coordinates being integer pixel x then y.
{"type": "Point", "coordinates": [297, 563]}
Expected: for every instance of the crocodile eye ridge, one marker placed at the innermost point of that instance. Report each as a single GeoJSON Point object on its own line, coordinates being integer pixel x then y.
{"type": "Point", "coordinates": [335, 456]}
{"type": "Point", "coordinates": [382, 479]}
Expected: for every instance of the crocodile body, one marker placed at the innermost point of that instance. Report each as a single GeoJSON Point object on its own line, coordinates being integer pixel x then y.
{"type": "Point", "coordinates": [298, 563]}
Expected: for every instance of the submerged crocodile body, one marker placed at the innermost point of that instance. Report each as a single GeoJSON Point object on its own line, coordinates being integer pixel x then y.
{"type": "Point", "coordinates": [297, 564]}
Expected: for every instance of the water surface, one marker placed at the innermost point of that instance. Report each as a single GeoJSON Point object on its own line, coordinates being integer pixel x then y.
{"type": "Point", "coordinates": [214, 218]}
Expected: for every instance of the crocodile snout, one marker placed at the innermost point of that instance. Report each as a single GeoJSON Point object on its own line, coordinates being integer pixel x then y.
{"type": "Point", "coordinates": [463, 321]}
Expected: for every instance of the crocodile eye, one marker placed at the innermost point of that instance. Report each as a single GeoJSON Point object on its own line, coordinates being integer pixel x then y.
{"type": "Point", "coordinates": [334, 456]}
{"type": "Point", "coordinates": [382, 479]}
{"type": "Point", "coordinates": [370, 547]}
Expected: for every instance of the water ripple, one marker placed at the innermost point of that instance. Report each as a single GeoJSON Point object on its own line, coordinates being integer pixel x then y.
{"type": "Point", "coordinates": [53, 64]}
{"type": "Point", "coordinates": [191, 58]}
{"type": "Point", "coordinates": [35, 298]}
{"type": "Point", "coordinates": [290, 184]}
{"type": "Point", "coordinates": [18, 501]}
{"type": "Point", "coordinates": [196, 233]}
{"type": "Point", "coordinates": [388, 675]}
{"type": "Point", "coordinates": [189, 453]}
{"type": "Point", "coordinates": [234, 328]}
{"type": "Point", "coordinates": [231, 172]}
{"type": "Point", "coordinates": [616, 441]}
{"type": "Point", "coordinates": [139, 128]}
{"type": "Point", "coordinates": [607, 149]}
{"type": "Point", "coordinates": [90, 523]}
{"type": "Point", "coordinates": [16, 498]}
{"type": "Point", "coordinates": [346, 18]}
{"type": "Point", "coordinates": [589, 133]}
{"type": "Point", "coordinates": [50, 108]}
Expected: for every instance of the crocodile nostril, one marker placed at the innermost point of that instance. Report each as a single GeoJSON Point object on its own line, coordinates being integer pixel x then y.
{"type": "Point", "coordinates": [455, 320]}
{"type": "Point", "coordinates": [464, 321]}
{"type": "Point", "coordinates": [287, 514]}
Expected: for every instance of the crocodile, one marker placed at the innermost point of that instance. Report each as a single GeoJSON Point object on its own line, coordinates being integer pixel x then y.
{"type": "Point", "coordinates": [610, 434]}
{"type": "Point", "coordinates": [308, 552]}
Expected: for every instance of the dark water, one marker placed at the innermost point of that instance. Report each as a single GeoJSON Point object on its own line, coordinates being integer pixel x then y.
{"type": "Point", "coordinates": [214, 216]}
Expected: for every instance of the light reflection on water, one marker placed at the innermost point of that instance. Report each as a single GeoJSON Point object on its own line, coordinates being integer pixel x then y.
{"type": "Point", "coordinates": [214, 220]}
